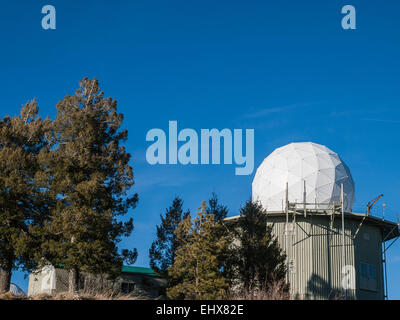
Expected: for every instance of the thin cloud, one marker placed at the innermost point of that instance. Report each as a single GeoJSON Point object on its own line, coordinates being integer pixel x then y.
{"type": "Point", "coordinates": [363, 111]}
{"type": "Point", "coordinates": [381, 120]}
{"type": "Point", "coordinates": [268, 111]}
{"type": "Point", "coordinates": [156, 178]}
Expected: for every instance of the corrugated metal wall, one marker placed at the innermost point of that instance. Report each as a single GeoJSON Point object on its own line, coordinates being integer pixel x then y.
{"type": "Point", "coordinates": [314, 248]}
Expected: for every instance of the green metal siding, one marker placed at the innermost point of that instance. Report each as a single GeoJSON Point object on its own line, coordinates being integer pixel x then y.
{"type": "Point", "coordinates": [314, 249]}
{"type": "Point", "coordinates": [369, 251]}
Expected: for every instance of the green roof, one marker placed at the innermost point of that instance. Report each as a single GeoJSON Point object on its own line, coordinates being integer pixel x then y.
{"type": "Point", "coordinates": [141, 270]}
{"type": "Point", "coordinates": [129, 269]}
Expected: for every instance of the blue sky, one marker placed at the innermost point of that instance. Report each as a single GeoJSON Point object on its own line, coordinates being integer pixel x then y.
{"type": "Point", "coordinates": [285, 68]}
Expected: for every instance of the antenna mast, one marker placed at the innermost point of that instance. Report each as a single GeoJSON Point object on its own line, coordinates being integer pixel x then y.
{"type": "Point", "coordinates": [371, 203]}
{"type": "Point", "coordinates": [343, 251]}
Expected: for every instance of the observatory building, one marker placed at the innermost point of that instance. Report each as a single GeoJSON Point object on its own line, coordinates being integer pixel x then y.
{"type": "Point", "coordinates": [332, 252]}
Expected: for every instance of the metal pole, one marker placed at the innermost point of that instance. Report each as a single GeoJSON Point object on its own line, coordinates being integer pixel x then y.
{"type": "Point", "coordinates": [287, 203]}
{"type": "Point", "coordinates": [385, 271]}
{"type": "Point", "coordinates": [383, 211]}
{"type": "Point", "coordinates": [343, 251]}
{"type": "Point", "coordinates": [384, 258]}
{"type": "Point", "coordinates": [304, 199]}
{"type": "Point", "coordinates": [286, 232]}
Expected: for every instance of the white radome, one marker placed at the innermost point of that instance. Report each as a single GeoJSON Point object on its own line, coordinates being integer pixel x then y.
{"type": "Point", "coordinates": [322, 170]}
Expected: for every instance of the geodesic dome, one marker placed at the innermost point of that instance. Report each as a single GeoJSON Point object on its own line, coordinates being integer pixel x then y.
{"type": "Point", "coordinates": [322, 170]}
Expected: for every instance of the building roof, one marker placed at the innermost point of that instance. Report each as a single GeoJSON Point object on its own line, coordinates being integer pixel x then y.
{"type": "Point", "coordinates": [390, 229]}
{"type": "Point", "coordinates": [139, 270]}
{"type": "Point", "coordinates": [130, 269]}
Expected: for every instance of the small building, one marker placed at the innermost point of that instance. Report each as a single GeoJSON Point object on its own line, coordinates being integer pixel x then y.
{"type": "Point", "coordinates": [137, 282]}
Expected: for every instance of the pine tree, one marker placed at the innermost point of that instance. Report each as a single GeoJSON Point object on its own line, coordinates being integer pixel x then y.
{"type": "Point", "coordinates": [89, 176]}
{"type": "Point", "coordinates": [22, 201]}
{"type": "Point", "coordinates": [214, 207]}
{"type": "Point", "coordinates": [199, 259]}
{"type": "Point", "coordinates": [255, 258]}
{"type": "Point", "coordinates": [163, 250]}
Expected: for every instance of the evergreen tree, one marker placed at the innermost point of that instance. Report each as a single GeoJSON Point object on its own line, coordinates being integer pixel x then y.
{"type": "Point", "coordinates": [214, 207]}
{"type": "Point", "coordinates": [22, 200]}
{"type": "Point", "coordinates": [163, 250]}
{"type": "Point", "coordinates": [199, 258]}
{"type": "Point", "coordinates": [89, 175]}
{"type": "Point", "coordinates": [255, 258]}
